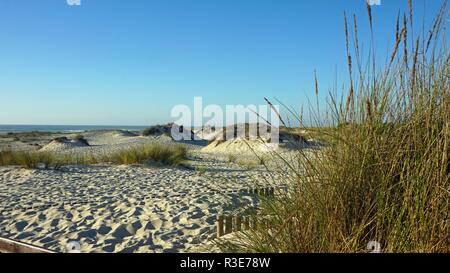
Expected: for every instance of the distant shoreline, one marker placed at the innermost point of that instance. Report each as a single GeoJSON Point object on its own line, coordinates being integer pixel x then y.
{"type": "Point", "coordinates": [5, 129]}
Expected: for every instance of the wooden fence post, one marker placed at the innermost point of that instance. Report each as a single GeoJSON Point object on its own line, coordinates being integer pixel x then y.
{"type": "Point", "coordinates": [219, 224]}
{"type": "Point", "coordinates": [237, 223]}
{"type": "Point", "coordinates": [246, 223]}
{"type": "Point", "coordinates": [272, 192]}
{"type": "Point", "coordinates": [228, 224]}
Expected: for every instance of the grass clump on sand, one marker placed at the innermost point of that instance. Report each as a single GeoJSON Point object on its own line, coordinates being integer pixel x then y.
{"type": "Point", "coordinates": [29, 160]}
{"type": "Point", "coordinates": [167, 155]}
{"type": "Point", "coordinates": [232, 158]}
{"type": "Point", "coordinates": [200, 169]}
{"type": "Point", "coordinates": [385, 175]}
{"type": "Point", "coordinates": [248, 163]}
{"type": "Point", "coordinates": [150, 131]}
{"type": "Point", "coordinates": [158, 130]}
{"type": "Point", "coordinates": [80, 138]}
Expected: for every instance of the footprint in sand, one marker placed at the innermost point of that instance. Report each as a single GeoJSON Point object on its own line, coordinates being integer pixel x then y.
{"type": "Point", "coordinates": [104, 229]}
{"type": "Point", "coordinates": [54, 223]}
{"type": "Point", "coordinates": [123, 231]}
{"type": "Point", "coordinates": [157, 223]}
{"type": "Point", "coordinates": [90, 234]}
{"type": "Point", "coordinates": [20, 226]}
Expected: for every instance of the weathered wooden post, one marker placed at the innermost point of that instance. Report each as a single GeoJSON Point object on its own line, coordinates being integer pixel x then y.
{"type": "Point", "coordinates": [228, 224]}
{"type": "Point", "coordinates": [219, 224]}
{"type": "Point", "coordinates": [272, 192]}
{"type": "Point", "coordinates": [246, 223]}
{"type": "Point", "coordinates": [238, 223]}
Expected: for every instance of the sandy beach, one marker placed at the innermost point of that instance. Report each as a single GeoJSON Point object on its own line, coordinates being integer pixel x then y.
{"type": "Point", "coordinates": [123, 208]}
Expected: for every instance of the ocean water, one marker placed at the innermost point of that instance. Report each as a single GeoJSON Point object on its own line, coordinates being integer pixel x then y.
{"type": "Point", "coordinates": [4, 129]}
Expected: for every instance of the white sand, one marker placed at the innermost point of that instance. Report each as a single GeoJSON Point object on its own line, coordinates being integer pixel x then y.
{"type": "Point", "coordinates": [56, 146]}
{"type": "Point", "coordinates": [123, 208]}
{"type": "Point", "coordinates": [240, 146]}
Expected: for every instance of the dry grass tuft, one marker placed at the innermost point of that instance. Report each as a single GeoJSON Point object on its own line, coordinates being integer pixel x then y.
{"type": "Point", "coordinates": [166, 155]}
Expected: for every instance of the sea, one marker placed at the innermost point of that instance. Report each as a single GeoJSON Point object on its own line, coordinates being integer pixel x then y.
{"type": "Point", "coordinates": [4, 129]}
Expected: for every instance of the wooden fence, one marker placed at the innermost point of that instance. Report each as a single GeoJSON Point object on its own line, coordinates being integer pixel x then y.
{"type": "Point", "coordinates": [226, 224]}
{"type": "Point", "coordinates": [12, 246]}
{"type": "Point", "coordinates": [265, 192]}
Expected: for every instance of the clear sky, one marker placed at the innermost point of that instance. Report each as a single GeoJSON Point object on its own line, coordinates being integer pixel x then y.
{"type": "Point", "coordinates": [117, 62]}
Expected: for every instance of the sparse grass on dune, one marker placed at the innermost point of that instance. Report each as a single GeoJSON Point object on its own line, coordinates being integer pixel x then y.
{"type": "Point", "coordinates": [232, 158]}
{"type": "Point", "coordinates": [385, 175]}
{"type": "Point", "coordinates": [80, 138]}
{"type": "Point", "coordinates": [6, 158]}
{"type": "Point", "coordinates": [248, 163]}
{"type": "Point", "coordinates": [28, 134]}
{"type": "Point", "coordinates": [47, 160]}
{"type": "Point", "coordinates": [200, 169]}
{"type": "Point", "coordinates": [29, 160]}
{"type": "Point", "coordinates": [166, 155]}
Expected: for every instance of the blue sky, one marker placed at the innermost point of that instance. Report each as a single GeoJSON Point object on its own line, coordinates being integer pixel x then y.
{"type": "Point", "coordinates": [115, 62]}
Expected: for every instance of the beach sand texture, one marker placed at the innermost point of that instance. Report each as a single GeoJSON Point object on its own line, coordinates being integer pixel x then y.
{"type": "Point", "coordinates": [125, 208]}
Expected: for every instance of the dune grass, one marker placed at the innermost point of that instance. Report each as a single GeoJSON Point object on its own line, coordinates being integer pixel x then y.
{"type": "Point", "coordinates": [46, 160]}
{"type": "Point", "coordinates": [385, 175]}
{"type": "Point", "coordinates": [29, 160]}
{"type": "Point", "coordinates": [249, 163]}
{"type": "Point", "coordinates": [232, 158]}
{"type": "Point", "coordinates": [166, 155]}
{"type": "Point", "coordinates": [200, 169]}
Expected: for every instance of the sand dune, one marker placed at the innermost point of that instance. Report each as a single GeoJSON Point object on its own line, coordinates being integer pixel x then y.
{"type": "Point", "coordinates": [63, 143]}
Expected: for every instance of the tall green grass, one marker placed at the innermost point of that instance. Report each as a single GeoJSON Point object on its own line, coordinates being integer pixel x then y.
{"type": "Point", "coordinates": [29, 160]}
{"type": "Point", "coordinates": [166, 155]}
{"type": "Point", "coordinates": [385, 174]}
